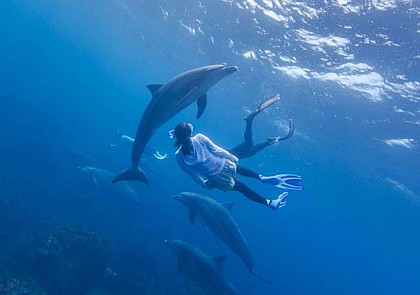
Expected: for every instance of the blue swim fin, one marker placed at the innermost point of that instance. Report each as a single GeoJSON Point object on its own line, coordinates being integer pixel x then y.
{"type": "Point", "coordinates": [276, 139]}
{"type": "Point", "coordinates": [265, 104]}
{"type": "Point", "coordinates": [285, 181]}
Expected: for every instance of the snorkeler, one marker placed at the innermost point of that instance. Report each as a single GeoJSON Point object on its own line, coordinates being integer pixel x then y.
{"type": "Point", "coordinates": [125, 139]}
{"type": "Point", "coordinates": [213, 167]}
{"type": "Point", "coordinates": [248, 148]}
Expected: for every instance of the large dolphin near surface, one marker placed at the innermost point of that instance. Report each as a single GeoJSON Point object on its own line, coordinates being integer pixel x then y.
{"type": "Point", "coordinates": [217, 218]}
{"type": "Point", "coordinates": [167, 101]}
{"type": "Point", "coordinates": [204, 270]}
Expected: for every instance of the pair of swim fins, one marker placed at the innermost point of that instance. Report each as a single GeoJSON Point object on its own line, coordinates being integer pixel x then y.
{"type": "Point", "coordinates": [284, 181]}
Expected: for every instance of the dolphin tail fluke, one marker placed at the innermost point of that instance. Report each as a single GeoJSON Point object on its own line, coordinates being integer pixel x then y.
{"type": "Point", "coordinates": [132, 173]}
{"type": "Point", "coordinates": [259, 277]}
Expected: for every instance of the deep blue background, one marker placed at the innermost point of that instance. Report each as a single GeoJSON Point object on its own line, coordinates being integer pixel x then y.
{"type": "Point", "coordinates": [73, 73]}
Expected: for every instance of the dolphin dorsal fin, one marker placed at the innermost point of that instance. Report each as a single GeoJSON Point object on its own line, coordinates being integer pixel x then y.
{"type": "Point", "coordinates": [201, 104]}
{"type": "Point", "coordinates": [228, 206]}
{"type": "Point", "coordinates": [192, 216]}
{"type": "Point", "coordinates": [219, 260]}
{"type": "Point", "coordinates": [154, 88]}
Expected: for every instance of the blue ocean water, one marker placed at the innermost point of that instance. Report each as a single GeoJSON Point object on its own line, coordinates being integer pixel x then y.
{"type": "Point", "coordinates": [74, 72]}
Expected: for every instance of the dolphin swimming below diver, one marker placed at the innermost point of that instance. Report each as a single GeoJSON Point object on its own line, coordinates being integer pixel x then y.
{"type": "Point", "coordinates": [217, 218]}
{"type": "Point", "coordinates": [204, 270]}
{"type": "Point", "coordinates": [167, 101]}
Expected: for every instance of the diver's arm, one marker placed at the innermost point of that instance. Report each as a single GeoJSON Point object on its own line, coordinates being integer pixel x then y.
{"type": "Point", "coordinates": [195, 176]}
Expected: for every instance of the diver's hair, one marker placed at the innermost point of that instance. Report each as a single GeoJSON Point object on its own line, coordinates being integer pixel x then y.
{"type": "Point", "coordinates": [186, 146]}
{"type": "Point", "coordinates": [182, 133]}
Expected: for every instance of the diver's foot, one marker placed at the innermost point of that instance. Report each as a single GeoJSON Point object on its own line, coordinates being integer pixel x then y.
{"type": "Point", "coordinates": [251, 116]}
{"type": "Point", "coordinates": [278, 203]}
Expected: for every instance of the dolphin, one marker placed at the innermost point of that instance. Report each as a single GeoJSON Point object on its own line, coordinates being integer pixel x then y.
{"type": "Point", "coordinates": [167, 101]}
{"type": "Point", "coordinates": [216, 217]}
{"type": "Point", "coordinates": [102, 176]}
{"type": "Point", "coordinates": [204, 270]}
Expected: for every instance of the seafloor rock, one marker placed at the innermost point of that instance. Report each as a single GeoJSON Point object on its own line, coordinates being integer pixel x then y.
{"type": "Point", "coordinates": [65, 261]}
{"type": "Point", "coordinates": [12, 285]}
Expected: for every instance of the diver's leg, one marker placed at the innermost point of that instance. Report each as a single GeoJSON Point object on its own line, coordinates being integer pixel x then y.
{"type": "Point", "coordinates": [260, 146]}
{"type": "Point", "coordinates": [250, 194]}
{"type": "Point", "coordinates": [244, 150]}
{"type": "Point", "coordinates": [248, 131]}
{"type": "Point", "coordinates": [247, 172]}
{"type": "Point", "coordinates": [255, 197]}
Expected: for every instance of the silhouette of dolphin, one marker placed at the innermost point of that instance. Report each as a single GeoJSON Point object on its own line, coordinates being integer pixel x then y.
{"type": "Point", "coordinates": [217, 218]}
{"type": "Point", "coordinates": [167, 101]}
{"type": "Point", "coordinates": [103, 177]}
{"type": "Point", "coordinates": [204, 270]}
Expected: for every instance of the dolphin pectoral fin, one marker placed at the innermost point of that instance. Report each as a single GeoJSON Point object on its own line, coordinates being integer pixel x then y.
{"type": "Point", "coordinates": [154, 88]}
{"type": "Point", "coordinates": [192, 216]}
{"type": "Point", "coordinates": [228, 206]}
{"type": "Point", "coordinates": [132, 173]}
{"type": "Point", "coordinates": [201, 104]}
{"type": "Point", "coordinates": [259, 277]}
{"type": "Point", "coordinates": [219, 260]}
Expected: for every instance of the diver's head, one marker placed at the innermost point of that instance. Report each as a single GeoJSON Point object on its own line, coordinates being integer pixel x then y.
{"type": "Point", "coordinates": [182, 132]}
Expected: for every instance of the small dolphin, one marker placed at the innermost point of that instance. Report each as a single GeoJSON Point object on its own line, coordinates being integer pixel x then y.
{"type": "Point", "coordinates": [102, 176]}
{"type": "Point", "coordinates": [204, 270]}
{"type": "Point", "coordinates": [167, 101]}
{"type": "Point", "coordinates": [216, 217]}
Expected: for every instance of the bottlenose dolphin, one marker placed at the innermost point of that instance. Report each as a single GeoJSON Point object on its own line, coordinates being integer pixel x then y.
{"type": "Point", "coordinates": [103, 177]}
{"type": "Point", "coordinates": [217, 218]}
{"type": "Point", "coordinates": [167, 101]}
{"type": "Point", "coordinates": [204, 270]}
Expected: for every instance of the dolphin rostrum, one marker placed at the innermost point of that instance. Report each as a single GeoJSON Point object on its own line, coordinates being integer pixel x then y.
{"type": "Point", "coordinates": [217, 218]}
{"type": "Point", "coordinates": [167, 101]}
{"type": "Point", "coordinates": [204, 270]}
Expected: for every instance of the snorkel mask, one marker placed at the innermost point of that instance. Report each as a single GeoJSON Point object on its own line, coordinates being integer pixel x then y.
{"type": "Point", "coordinates": [181, 132]}
{"type": "Point", "coordinates": [171, 133]}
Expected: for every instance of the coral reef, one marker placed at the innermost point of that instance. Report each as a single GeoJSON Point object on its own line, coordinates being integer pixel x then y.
{"type": "Point", "coordinates": [12, 285]}
{"type": "Point", "coordinates": [65, 261]}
